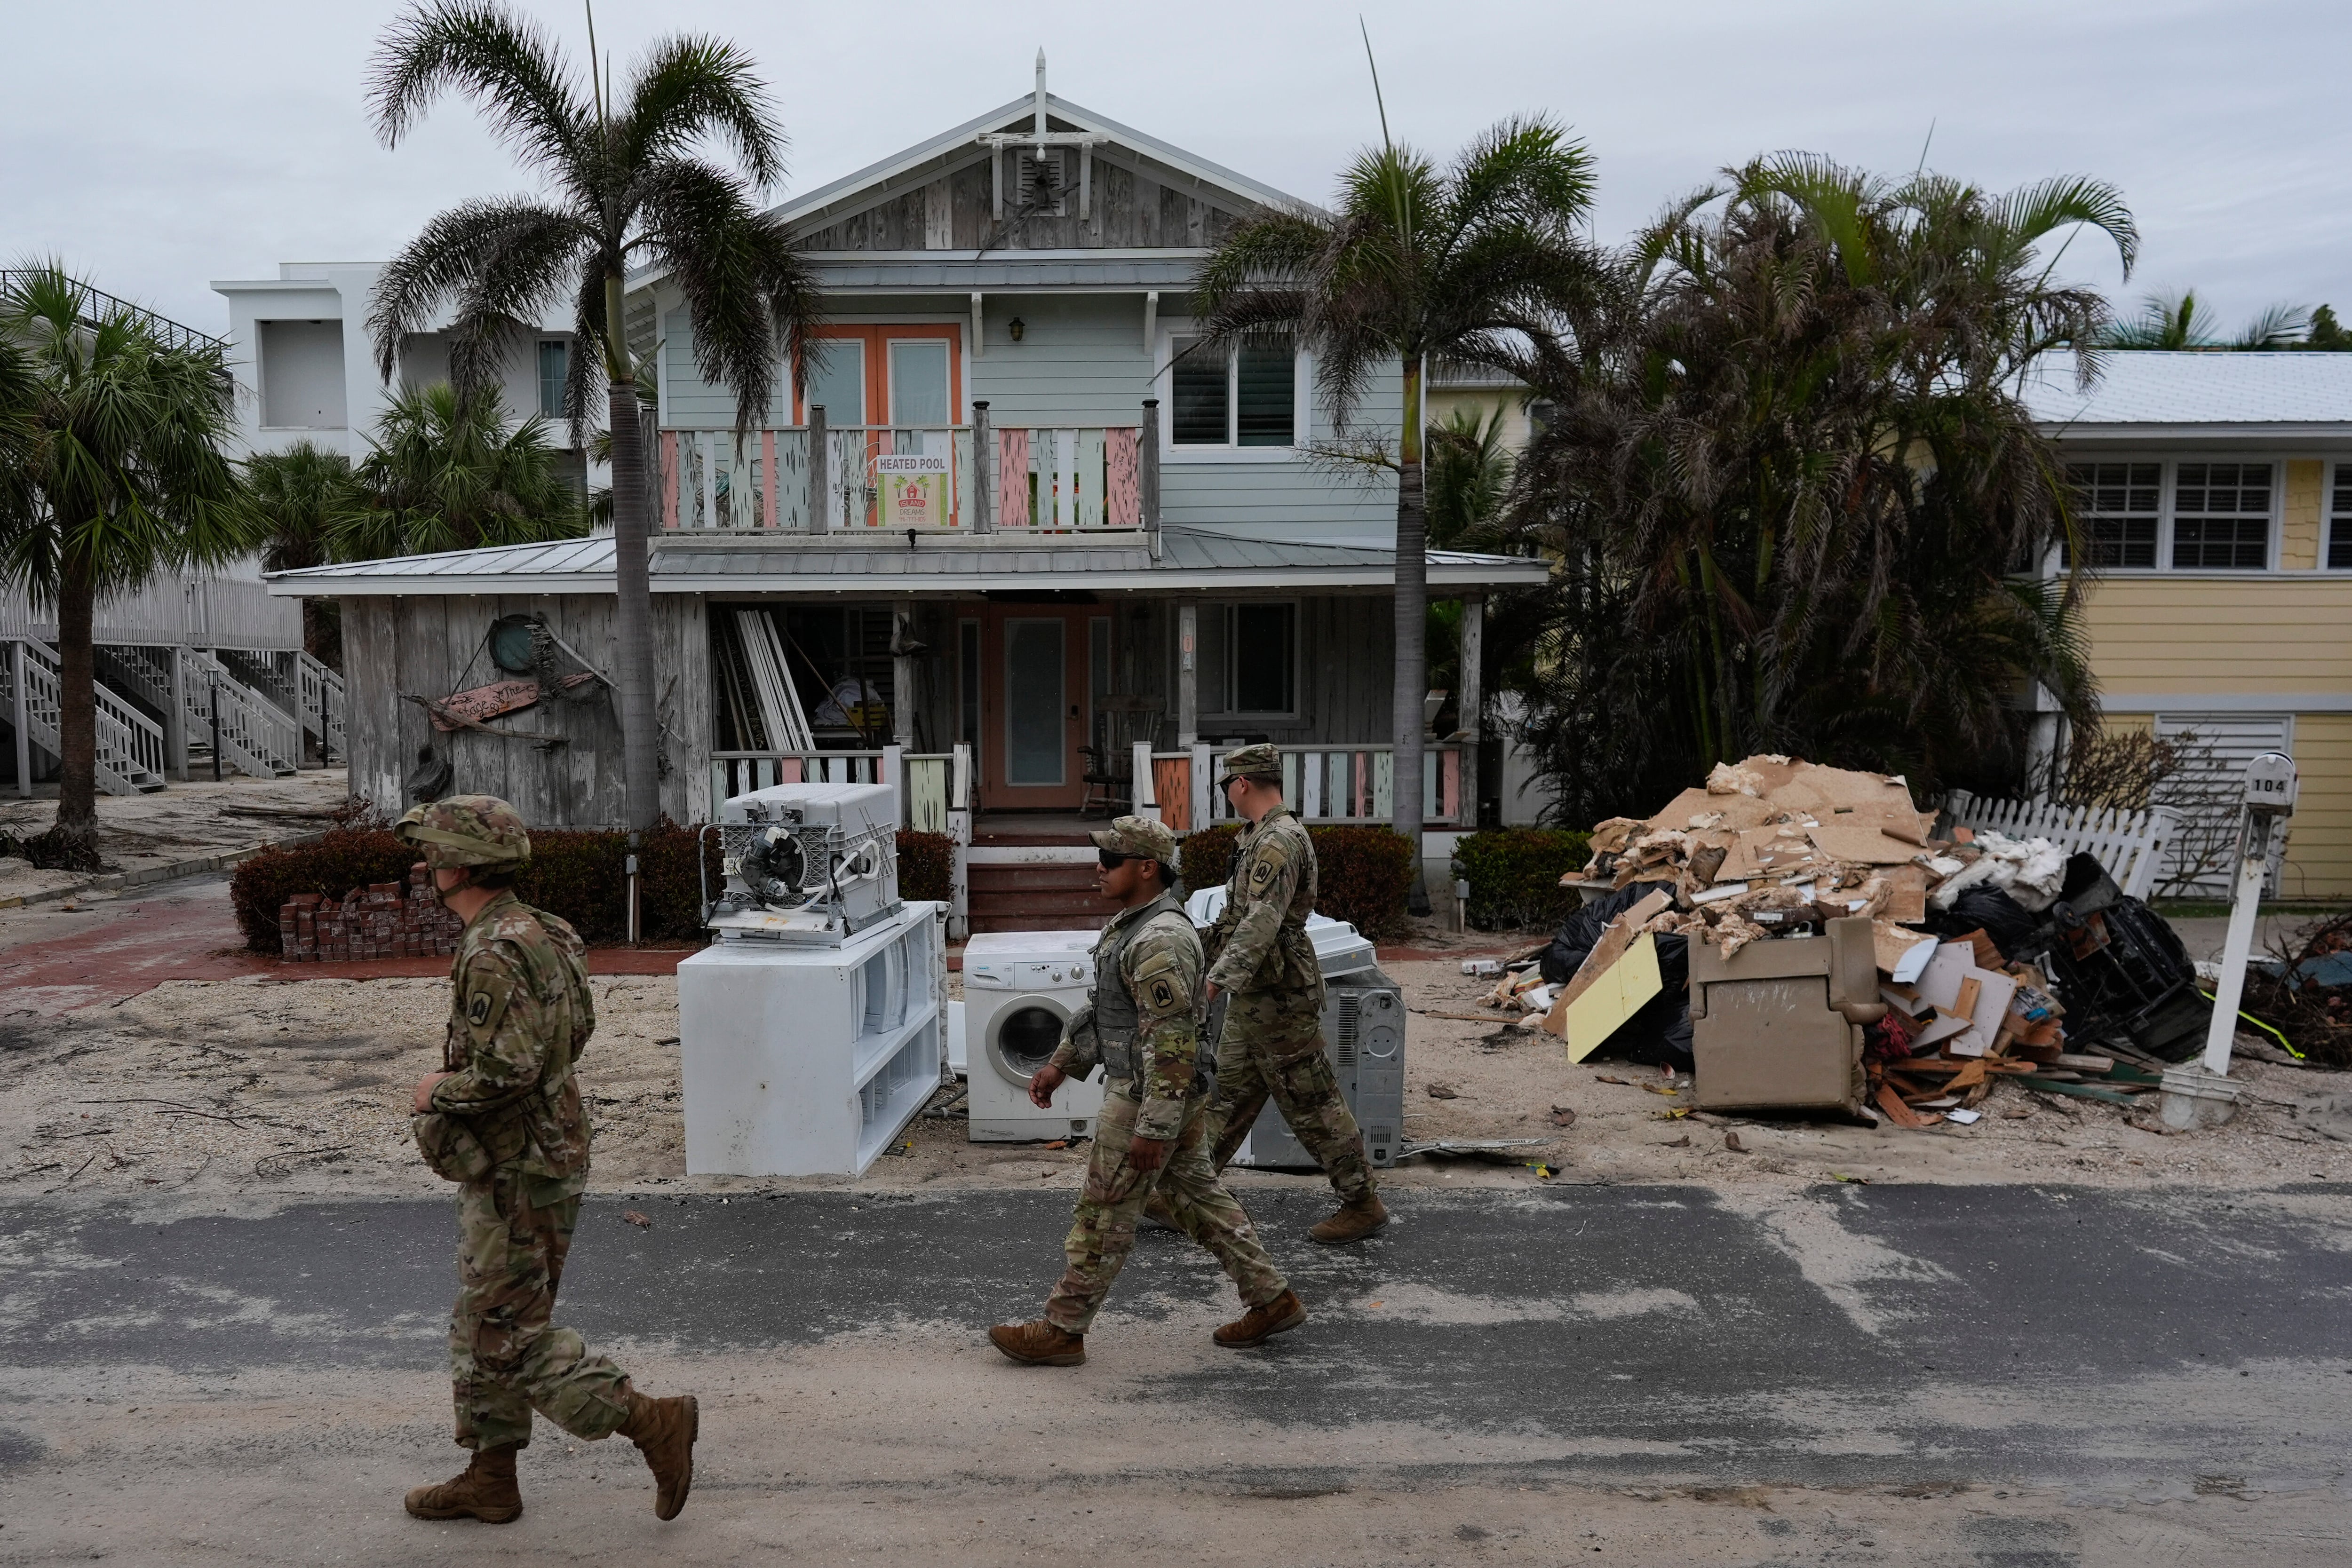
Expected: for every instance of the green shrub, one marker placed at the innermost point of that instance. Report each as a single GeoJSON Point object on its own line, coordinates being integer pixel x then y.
{"type": "Point", "coordinates": [926, 866]}
{"type": "Point", "coordinates": [1514, 875]}
{"type": "Point", "coordinates": [1362, 874]}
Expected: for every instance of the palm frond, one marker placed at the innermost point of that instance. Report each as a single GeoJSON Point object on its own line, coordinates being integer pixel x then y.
{"type": "Point", "coordinates": [687, 88]}
{"type": "Point", "coordinates": [506, 61]}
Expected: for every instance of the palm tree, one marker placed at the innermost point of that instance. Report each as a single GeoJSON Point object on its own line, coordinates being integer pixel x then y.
{"type": "Point", "coordinates": [1469, 464]}
{"type": "Point", "coordinates": [118, 473]}
{"type": "Point", "coordinates": [447, 474]}
{"type": "Point", "coordinates": [287, 505]}
{"type": "Point", "coordinates": [624, 187]}
{"type": "Point", "coordinates": [1416, 264]}
{"type": "Point", "coordinates": [1790, 481]}
{"type": "Point", "coordinates": [2181, 321]}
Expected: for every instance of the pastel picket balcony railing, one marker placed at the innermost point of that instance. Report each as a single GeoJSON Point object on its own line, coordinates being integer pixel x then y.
{"type": "Point", "coordinates": [970, 479]}
{"type": "Point", "coordinates": [1329, 784]}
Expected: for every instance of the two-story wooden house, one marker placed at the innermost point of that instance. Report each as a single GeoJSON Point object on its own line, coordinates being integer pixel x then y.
{"type": "Point", "coordinates": [1011, 543]}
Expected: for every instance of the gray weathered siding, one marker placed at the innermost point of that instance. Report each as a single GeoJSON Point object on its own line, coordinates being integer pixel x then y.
{"type": "Point", "coordinates": [1136, 206]}
{"type": "Point", "coordinates": [434, 646]}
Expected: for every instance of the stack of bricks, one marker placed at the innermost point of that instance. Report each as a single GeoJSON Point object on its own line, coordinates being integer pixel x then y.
{"type": "Point", "coordinates": [385, 920]}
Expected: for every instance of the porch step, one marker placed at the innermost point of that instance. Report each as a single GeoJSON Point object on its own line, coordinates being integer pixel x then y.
{"type": "Point", "coordinates": [1000, 837]}
{"type": "Point", "coordinates": [1090, 922]}
{"type": "Point", "coordinates": [1070, 878]}
{"type": "Point", "coordinates": [1049, 897]}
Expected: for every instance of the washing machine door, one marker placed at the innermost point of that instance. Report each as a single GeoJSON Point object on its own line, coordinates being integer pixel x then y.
{"type": "Point", "coordinates": [1023, 1034]}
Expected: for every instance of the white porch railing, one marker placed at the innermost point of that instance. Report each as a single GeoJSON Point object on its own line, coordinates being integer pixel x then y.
{"type": "Point", "coordinates": [1325, 785]}
{"type": "Point", "coordinates": [2130, 844]}
{"type": "Point", "coordinates": [129, 745]}
{"type": "Point", "coordinates": [932, 478]}
{"type": "Point", "coordinates": [931, 784]}
{"type": "Point", "coordinates": [323, 702]}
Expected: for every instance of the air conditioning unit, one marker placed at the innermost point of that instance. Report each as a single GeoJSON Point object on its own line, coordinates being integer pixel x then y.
{"type": "Point", "coordinates": [806, 863]}
{"type": "Point", "coordinates": [802, 1060]}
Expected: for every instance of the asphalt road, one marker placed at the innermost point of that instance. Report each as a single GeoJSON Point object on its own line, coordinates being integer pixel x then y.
{"type": "Point", "coordinates": [2103, 1347]}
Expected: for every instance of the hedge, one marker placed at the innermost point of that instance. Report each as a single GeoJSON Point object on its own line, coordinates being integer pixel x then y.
{"type": "Point", "coordinates": [1514, 875]}
{"type": "Point", "coordinates": [1362, 874]}
{"type": "Point", "coordinates": [582, 876]}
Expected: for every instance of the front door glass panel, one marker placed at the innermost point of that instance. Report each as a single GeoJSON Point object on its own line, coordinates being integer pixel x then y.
{"type": "Point", "coordinates": [836, 380]}
{"type": "Point", "coordinates": [918, 382]}
{"type": "Point", "coordinates": [1033, 741]}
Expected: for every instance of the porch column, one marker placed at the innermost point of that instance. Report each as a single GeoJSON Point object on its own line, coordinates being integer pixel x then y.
{"type": "Point", "coordinates": [904, 674]}
{"type": "Point", "coordinates": [1188, 674]}
{"type": "Point", "coordinates": [1466, 728]}
{"type": "Point", "coordinates": [1147, 476]}
{"type": "Point", "coordinates": [982, 499]}
{"type": "Point", "coordinates": [20, 716]}
{"type": "Point", "coordinates": [175, 717]}
{"type": "Point", "coordinates": [820, 516]}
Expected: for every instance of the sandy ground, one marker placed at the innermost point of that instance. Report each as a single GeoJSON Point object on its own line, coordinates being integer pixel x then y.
{"type": "Point", "coordinates": [189, 822]}
{"type": "Point", "coordinates": [287, 1087]}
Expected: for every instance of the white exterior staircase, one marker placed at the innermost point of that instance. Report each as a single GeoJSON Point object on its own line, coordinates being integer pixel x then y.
{"type": "Point", "coordinates": [130, 744]}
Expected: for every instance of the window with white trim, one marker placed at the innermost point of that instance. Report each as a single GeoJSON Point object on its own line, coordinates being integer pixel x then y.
{"type": "Point", "coordinates": [1241, 396]}
{"type": "Point", "coordinates": [2222, 516]}
{"type": "Point", "coordinates": [554, 369]}
{"type": "Point", "coordinates": [2120, 507]}
{"type": "Point", "coordinates": [2339, 520]}
{"type": "Point", "coordinates": [1251, 659]}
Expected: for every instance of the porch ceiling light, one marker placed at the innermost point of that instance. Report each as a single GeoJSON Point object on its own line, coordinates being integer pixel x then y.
{"type": "Point", "coordinates": [1017, 327]}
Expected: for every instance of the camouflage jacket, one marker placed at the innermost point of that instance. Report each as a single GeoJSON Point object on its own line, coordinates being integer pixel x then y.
{"type": "Point", "coordinates": [1157, 971]}
{"type": "Point", "coordinates": [519, 1015]}
{"type": "Point", "coordinates": [1259, 942]}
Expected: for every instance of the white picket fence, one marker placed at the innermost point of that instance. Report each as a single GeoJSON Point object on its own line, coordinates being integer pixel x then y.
{"type": "Point", "coordinates": [2130, 844]}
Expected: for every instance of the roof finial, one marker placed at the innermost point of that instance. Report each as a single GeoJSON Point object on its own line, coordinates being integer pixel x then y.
{"type": "Point", "coordinates": [1041, 99]}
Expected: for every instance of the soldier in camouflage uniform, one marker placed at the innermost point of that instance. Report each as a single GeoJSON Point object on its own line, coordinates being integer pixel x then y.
{"type": "Point", "coordinates": [504, 1120]}
{"type": "Point", "coordinates": [1272, 1041]}
{"type": "Point", "coordinates": [1141, 1025]}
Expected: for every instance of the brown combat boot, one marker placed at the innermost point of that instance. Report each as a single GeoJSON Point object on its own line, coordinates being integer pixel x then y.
{"type": "Point", "coordinates": [664, 1431]}
{"type": "Point", "coordinates": [1039, 1344]}
{"type": "Point", "coordinates": [1368, 1216]}
{"type": "Point", "coordinates": [1259, 1325]}
{"type": "Point", "coordinates": [486, 1490]}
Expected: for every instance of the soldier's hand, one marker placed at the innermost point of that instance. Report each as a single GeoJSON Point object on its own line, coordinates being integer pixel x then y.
{"type": "Point", "coordinates": [1213, 989]}
{"type": "Point", "coordinates": [423, 1101]}
{"type": "Point", "coordinates": [1146, 1154]}
{"type": "Point", "coordinates": [1047, 1079]}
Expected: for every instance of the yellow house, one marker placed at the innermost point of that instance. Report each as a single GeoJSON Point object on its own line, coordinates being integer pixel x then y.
{"type": "Point", "coordinates": [2217, 488]}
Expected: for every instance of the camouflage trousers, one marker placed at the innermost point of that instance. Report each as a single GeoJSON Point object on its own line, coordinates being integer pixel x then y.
{"type": "Point", "coordinates": [506, 1359]}
{"type": "Point", "coordinates": [1296, 1075]}
{"type": "Point", "coordinates": [1103, 1232]}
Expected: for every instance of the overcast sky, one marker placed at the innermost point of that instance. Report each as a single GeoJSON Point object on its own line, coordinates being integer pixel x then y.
{"type": "Point", "coordinates": [156, 145]}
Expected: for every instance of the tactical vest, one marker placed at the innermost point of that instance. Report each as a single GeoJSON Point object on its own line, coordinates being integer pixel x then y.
{"type": "Point", "coordinates": [1115, 1018]}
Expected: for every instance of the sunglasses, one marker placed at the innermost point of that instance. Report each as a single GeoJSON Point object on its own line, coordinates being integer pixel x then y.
{"type": "Point", "coordinates": [1111, 861]}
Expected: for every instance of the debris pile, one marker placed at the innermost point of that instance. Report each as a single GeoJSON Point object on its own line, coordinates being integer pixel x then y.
{"type": "Point", "coordinates": [1936, 969]}
{"type": "Point", "coordinates": [372, 922]}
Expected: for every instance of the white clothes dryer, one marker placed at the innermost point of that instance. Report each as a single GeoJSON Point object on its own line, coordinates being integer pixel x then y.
{"type": "Point", "coordinates": [1020, 988]}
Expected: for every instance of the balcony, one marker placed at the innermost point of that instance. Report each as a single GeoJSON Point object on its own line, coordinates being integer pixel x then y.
{"type": "Point", "coordinates": [976, 479]}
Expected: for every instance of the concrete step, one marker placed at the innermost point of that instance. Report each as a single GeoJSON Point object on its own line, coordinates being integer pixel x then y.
{"type": "Point", "coordinates": [1032, 901]}
{"type": "Point", "coordinates": [1004, 922]}
{"type": "Point", "coordinates": [986, 879]}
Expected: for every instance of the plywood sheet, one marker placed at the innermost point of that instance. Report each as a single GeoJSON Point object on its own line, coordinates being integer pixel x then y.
{"type": "Point", "coordinates": [1615, 996]}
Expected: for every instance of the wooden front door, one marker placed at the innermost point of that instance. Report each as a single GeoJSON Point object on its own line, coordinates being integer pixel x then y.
{"type": "Point", "coordinates": [888, 375]}
{"type": "Point", "coordinates": [1036, 705]}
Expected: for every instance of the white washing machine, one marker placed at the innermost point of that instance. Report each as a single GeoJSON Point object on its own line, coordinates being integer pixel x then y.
{"type": "Point", "coordinates": [1020, 988]}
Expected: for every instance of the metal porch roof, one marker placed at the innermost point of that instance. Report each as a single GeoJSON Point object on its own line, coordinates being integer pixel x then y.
{"type": "Point", "coordinates": [2156, 392]}
{"type": "Point", "coordinates": [1191, 560]}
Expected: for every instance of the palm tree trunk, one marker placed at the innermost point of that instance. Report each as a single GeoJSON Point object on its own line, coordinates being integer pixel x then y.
{"type": "Point", "coordinates": [76, 834]}
{"type": "Point", "coordinates": [1411, 620]}
{"type": "Point", "coordinates": [633, 615]}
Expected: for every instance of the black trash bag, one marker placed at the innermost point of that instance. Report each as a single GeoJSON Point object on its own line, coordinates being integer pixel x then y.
{"type": "Point", "coordinates": [1581, 931]}
{"type": "Point", "coordinates": [2119, 968]}
{"type": "Point", "coordinates": [1661, 1031]}
{"type": "Point", "coordinates": [1991, 910]}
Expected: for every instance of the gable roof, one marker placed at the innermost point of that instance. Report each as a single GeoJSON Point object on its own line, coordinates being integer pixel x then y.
{"type": "Point", "coordinates": [844, 196]}
{"type": "Point", "coordinates": [2153, 391]}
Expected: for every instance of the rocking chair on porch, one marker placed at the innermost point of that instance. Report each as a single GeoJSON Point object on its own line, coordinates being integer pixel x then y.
{"type": "Point", "coordinates": [1119, 722]}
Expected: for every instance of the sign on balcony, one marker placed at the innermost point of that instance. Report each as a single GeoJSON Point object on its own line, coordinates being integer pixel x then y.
{"type": "Point", "coordinates": [916, 490]}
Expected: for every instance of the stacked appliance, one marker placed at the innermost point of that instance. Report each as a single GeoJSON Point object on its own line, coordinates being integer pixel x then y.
{"type": "Point", "coordinates": [1019, 988]}
{"type": "Point", "coordinates": [814, 1028]}
{"type": "Point", "coordinates": [1363, 1035]}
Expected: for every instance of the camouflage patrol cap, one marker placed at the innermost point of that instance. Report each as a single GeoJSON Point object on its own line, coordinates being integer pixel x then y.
{"type": "Point", "coordinates": [1262, 761]}
{"type": "Point", "coordinates": [1141, 838]}
{"type": "Point", "coordinates": [467, 831]}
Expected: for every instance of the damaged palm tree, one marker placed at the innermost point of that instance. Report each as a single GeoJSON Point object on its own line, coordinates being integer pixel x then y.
{"type": "Point", "coordinates": [626, 188]}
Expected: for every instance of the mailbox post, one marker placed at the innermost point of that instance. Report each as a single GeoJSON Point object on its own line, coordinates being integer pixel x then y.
{"type": "Point", "coordinates": [2268, 801]}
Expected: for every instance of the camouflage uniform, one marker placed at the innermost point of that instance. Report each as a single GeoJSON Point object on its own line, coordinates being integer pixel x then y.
{"type": "Point", "coordinates": [1272, 1040]}
{"type": "Point", "coordinates": [1141, 1025]}
{"type": "Point", "coordinates": [508, 1126]}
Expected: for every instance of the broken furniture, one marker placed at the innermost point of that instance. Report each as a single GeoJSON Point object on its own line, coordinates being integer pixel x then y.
{"type": "Point", "coordinates": [1780, 1024]}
